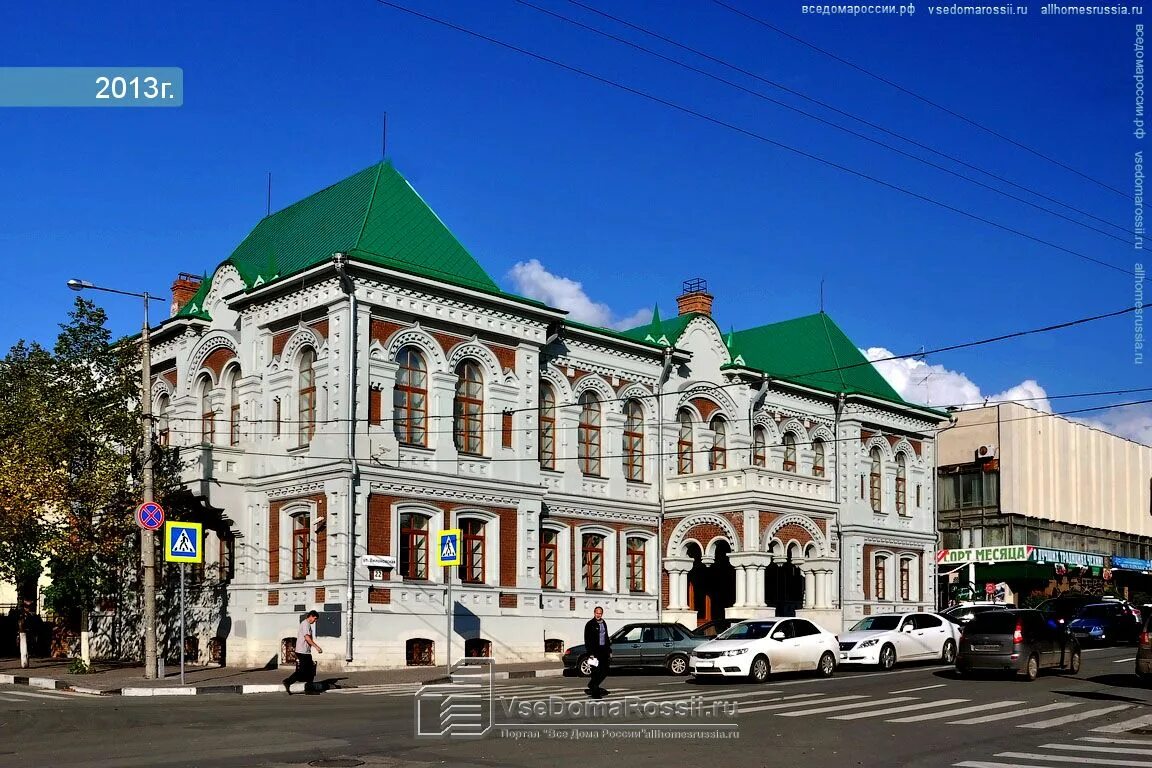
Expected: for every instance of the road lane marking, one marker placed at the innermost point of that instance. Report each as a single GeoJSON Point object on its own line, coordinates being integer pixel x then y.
{"type": "Point", "coordinates": [954, 712]}
{"type": "Point", "coordinates": [921, 688]}
{"type": "Point", "coordinates": [790, 701]}
{"type": "Point", "coordinates": [1086, 748]}
{"type": "Point", "coordinates": [1074, 718]}
{"type": "Point", "coordinates": [1072, 759]}
{"type": "Point", "coordinates": [838, 707]}
{"type": "Point", "coordinates": [1017, 713]}
{"type": "Point", "coordinates": [36, 695]}
{"type": "Point", "coordinates": [895, 710]}
{"type": "Point", "coordinates": [1106, 740]}
{"type": "Point", "coordinates": [1123, 661]}
{"type": "Point", "coordinates": [1126, 725]}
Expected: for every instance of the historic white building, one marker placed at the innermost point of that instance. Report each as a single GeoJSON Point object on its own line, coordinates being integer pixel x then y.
{"type": "Point", "coordinates": [350, 381]}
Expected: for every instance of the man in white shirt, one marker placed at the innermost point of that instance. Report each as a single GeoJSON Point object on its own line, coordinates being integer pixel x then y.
{"type": "Point", "coordinates": [305, 642]}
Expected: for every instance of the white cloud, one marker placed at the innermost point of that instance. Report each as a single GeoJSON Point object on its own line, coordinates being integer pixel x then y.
{"type": "Point", "coordinates": [1131, 421]}
{"type": "Point", "coordinates": [536, 282]}
{"type": "Point", "coordinates": [935, 385]}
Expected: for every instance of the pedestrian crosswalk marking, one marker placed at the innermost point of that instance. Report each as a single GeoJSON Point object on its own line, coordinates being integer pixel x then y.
{"type": "Point", "coordinates": [1017, 713]}
{"type": "Point", "coordinates": [1070, 759]}
{"type": "Point", "coordinates": [1127, 725]}
{"type": "Point", "coordinates": [954, 712]}
{"type": "Point", "coordinates": [790, 701]}
{"type": "Point", "coordinates": [894, 710]}
{"type": "Point", "coordinates": [841, 707]}
{"type": "Point", "coordinates": [1087, 748]}
{"type": "Point", "coordinates": [1074, 718]}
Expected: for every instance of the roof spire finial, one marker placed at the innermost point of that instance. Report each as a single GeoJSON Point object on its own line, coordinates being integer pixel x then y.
{"type": "Point", "coordinates": [656, 315]}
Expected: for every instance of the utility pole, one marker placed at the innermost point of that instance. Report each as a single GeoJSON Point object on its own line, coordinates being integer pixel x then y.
{"type": "Point", "coordinates": [148, 538]}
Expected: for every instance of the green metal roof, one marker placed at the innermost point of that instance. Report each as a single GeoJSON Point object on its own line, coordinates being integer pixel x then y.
{"type": "Point", "coordinates": [812, 351]}
{"type": "Point", "coordinates": [663, 332]}
{"type": "Point", "coordinates": [374, 216]}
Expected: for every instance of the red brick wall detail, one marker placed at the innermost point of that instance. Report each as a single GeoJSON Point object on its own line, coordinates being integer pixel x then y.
{"type": "Point", "coordinates": [321, 328]}
{"type": "Point", "coordinates": [217, 359]}
{"type": "Point", "coordinates": [380, 524]}
{"type": "Point", "coordinates": [508, 551]}
{"type": "Point", "coordinates": [320, 594]}
{"type": "Point", "coordinates": [379, 595]}
{"type": "Point", "coordinates": [374, 407]}
{"type": "Point", "coordinates": [273, 597]}
{"type": "Point", "coordinates": [446, 340]}
{"type": "Point", "coordinates": [321, 537]}
{"type": "Point", "coordinates": [705, 406]}
{"type": "Point", "coordinates": [665, 587]}
{"type": "Point", "coordinates": [382, 330]}
{"type": "Point", "coordinates": [274, 508]}
{"type": "Point", "coordinates": [274, 541]}
{"type": "Point", "coordinates": [866, 435]}
{"type": "Point", "coordinates": [508, 600]}
{"type": "Point", "coordinates": [917, 446]}
{"type": "Point", "coordinates": [279, 339]}
{"type": "Point", "coordinates": [794, 531]}
{"type": "Point", "coordinates": [571, 603]}
{"type": "Point", "coordinates": [506, 356]}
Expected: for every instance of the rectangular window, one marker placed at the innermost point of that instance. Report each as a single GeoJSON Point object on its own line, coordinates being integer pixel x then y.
{"type": "Point", "coordinates": [881, 577]}
{"type": "Point", "coordinates": [301, 526]}
{"type": "Point", "coordinates": [276, 417]}
{"type": "Point", "coordinates": [593, 557]}
{"type": "Point", "coordinates": [413, 546]}
{"type": "Point", "coordinates": [971, 489]}
{"type": "Point", "coordinates": [208, 428]}
{"type": "Point", "coordinates": [549, 559]}
{"type": "Point", "coordinates": [234, 425]}
{"type": "Point", "coordinates": [472, 562]}
{"type": "Point", "coordinates": [905, 580]}
{"type": "Point", "coordinates": [635, 564]}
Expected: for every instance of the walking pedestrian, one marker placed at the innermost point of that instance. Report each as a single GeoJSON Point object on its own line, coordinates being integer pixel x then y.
{"type": "Point", "coordinates": [599, 647]}
{"type": "Point", "coordinates": [305, 642]}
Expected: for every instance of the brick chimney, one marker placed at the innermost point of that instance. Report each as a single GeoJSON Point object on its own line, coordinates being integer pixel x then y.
{"type": "Point", "coordinates": [183, 290]}
{"type": "Point", "coordinates": [695, 297]}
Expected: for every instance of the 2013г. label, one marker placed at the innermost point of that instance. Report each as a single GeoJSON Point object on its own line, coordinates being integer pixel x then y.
{"type": "Point", "coordinates": [120, 88]}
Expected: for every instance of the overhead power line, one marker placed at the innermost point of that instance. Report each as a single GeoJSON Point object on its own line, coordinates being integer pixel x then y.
{"type": "Point", "coordinates": [837, 110]}
{"type": "Point", "coordinates": [924, 99]}
{"type": "Point", "coordinates": [750, 134]}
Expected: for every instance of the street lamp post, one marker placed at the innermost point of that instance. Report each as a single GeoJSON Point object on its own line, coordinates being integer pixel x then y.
{"type": "Point", "coordinates": [147, 538]}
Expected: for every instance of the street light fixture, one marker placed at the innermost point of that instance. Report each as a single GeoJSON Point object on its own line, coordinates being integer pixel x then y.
{"type": "Point", "coordinates": [147, 538]}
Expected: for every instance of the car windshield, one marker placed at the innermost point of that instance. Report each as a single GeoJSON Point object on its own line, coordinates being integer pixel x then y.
{"type": "Point", "coordinates": [876, 622]}
{"type": "Point", "coordinates": [751, 630]}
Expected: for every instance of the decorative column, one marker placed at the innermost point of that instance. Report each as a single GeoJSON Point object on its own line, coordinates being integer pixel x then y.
{"type": "Point", "coordinates": [677, 569]}
{"type": "Point", "coordinates": [810, 587]}
{"type": "Point", "coordinates": [741, 587]}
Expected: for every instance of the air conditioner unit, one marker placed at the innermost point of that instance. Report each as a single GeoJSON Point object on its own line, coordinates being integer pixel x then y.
{"type": "Point", "coordinates": [986, 452]}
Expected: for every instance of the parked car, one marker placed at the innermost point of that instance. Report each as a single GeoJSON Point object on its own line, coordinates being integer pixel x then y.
{"type": "Point", "coordinates": [714, 627]}
{"type": "Point", "coordinates": [650, 644]}
{"type": "Point", "coordinates": [1064, 609]}
{"type": "Point", "coordinates": [756, 649]}
{"type": "Point", "coordinates": [1103, 623]}
{"type": "Point", "coordinates": [1021, 641]}
{"type": "Point", "coordinates": [965, 612]}
{"type": "Point", "coordinates": [884, 639]}
{"type": "Point", "coordinates": [1144, 648]}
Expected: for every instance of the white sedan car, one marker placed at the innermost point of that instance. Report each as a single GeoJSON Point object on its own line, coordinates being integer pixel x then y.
{"type": "Point", "coordinates": [755, 649]}
{"type": "Point", "coordinates": [884, 639]}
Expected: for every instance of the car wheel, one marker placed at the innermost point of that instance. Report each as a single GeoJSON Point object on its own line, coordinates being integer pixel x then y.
{"type": "Point", "coordinates": [1074, 663]}
{"type": "Point", "coordinates": [760, 669]}
{"type": "Point", "coordinates": [827, 665]}
{"type": "Point", "coordinates": [583, 668]}
{"type": "Point", "coordinates": [1032, 668]}
{"type": "Point", "coordinates": [678, 664]}
{"type": "Point", "coordinates": [887, 658]}
{"type": "Point", "coordinates": [948, 655]}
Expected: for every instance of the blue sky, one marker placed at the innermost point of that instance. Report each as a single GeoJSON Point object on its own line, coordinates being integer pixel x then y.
{"type": "Point", "coordinates": [579, 192]}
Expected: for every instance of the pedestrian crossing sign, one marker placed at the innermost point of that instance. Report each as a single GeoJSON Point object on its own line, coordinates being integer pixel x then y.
{"type": "Point", "coordinates": [448, 548]}
{"type": "Point", "coordinates": [183, 542]}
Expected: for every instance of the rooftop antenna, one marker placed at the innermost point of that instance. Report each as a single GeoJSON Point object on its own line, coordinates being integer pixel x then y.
{"type": "Point", "coordinates": [268, 205]}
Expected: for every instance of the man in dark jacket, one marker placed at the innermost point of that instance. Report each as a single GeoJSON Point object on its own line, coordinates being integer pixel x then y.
{"type": "Point", "coordinates": [599, 647]}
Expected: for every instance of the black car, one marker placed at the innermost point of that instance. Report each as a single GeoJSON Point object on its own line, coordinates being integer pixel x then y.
{"type": "Point", "coordinates": [1020, 641]}
{"type": "Point", "coordinates": [1064, 609]}
{"type": "Point", "coordinates": [715, 627]}
{"type": "Point", "coordinates": [962, 614]}
{"type": "Point", "coordinates": [651, 644]}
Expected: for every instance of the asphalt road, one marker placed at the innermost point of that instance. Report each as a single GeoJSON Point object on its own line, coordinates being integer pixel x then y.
{"type": "Point", "coordinates": [916, 716]}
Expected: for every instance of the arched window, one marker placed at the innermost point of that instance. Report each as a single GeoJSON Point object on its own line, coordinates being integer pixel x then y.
{"type": "Point", "coordinates": [549, 558]}
{"type": "Point", "coordinates": [874, 480]}
{"type": "Point", "coordinates": [413, 545]}
{"type": "Point", "coordinates": [635, 552]}
{"type": "Point", "coordinates": [593, 560]}
{"type": "Point", "coordinates": [162, 404]}
{"type": "Point", "coordinates": [234, 408]}
{"type": "Point", "coordinates": [901, 484]}
{"type": "Point", "coordinates": [789, 452]}
{"type": "Point", "coordinates": [881, 577]}
{"type": "Point", "coordinates": [759, 447]}
{"type": "Point", "coordinates": [547, 426]}
{"type": "Point", "coordinates": [307, 401]}
{"type": "Point", "coordinates": [410, 398]}
{"type": "Point", "coordinates": [634, 441]}
{"type": "Point", "coordinates": [589, 434]}
{"type": "Point", "coordinates": [684, 443]}
{"type": "Point", "coordinates": [301, 545]}
{"type": "Point", "coordinates": [207, 415]}
{"type": "Point", "coordinates": [472, 561]}
{"type": "Point", "coordinates": [818, 458]}
{"type": "Point", "coordinates": [718, 456]}
{"type": "Point", "coordinates": [468, 409]}
{"type": "Point", "coordinates": [905, 579]}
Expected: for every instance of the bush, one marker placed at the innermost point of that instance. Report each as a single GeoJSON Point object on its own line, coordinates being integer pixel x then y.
{"type": "Point", "coordinates": [78, 667]}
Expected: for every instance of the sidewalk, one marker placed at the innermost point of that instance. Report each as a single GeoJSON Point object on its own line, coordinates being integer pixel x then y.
{"type": "Point", "coordinates": [127, 679]}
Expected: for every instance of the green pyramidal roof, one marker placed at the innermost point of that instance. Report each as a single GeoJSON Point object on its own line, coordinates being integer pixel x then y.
{"type": "Point", "coordinates": [375, 216]}
{"type": "Point", "coordinates": [813, 351]}
{"type": "Point", "coordinates": [663, 332]}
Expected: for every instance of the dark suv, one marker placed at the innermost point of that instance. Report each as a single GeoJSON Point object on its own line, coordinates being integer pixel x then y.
{"type": "Point", "coordinates": [1021, 641]}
